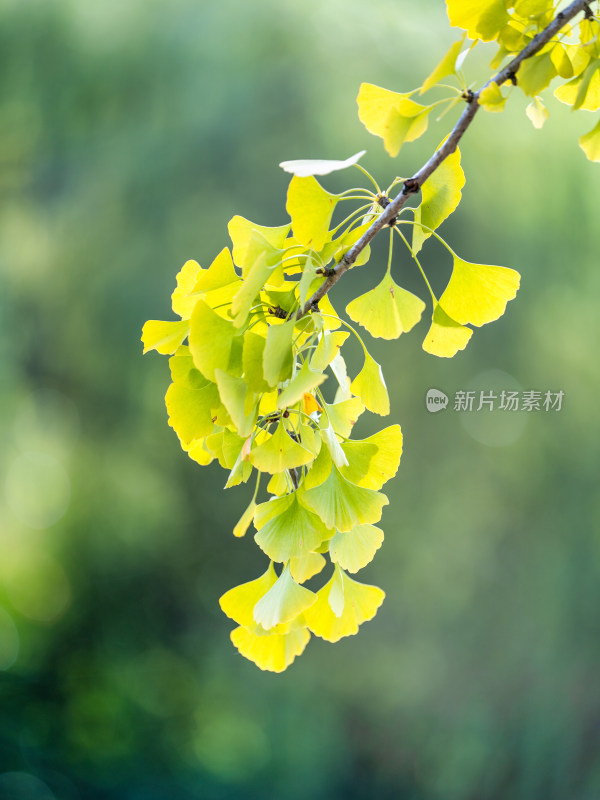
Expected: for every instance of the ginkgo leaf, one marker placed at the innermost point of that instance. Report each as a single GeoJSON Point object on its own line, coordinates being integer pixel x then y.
{"type": "Point", "coordinates": [279, 484]}
{"type": "Point", "coordinates": [287, 529]}
{"type": "Point", "coordinates": [582, 91]}
{"type": "Point", "coordinates": [370, 386]}
{"type": "Point", "coordinates": [309, 274]}
{"type": "Point", "coordinates": [164, 337]}
{"type": "Point", "coordinates": [309, 438]}
{"type": "Point", "coordinates": [182, 303]}
{"type": "Point", "coordinates": [310, 404]}
{"type": "Point", "coordinates": [240, 472]}
{"type": "Point", "coordinates": [327, 348]}
{"type": "Point", "coordinates": [211, 339]}
{"type": "Point", "coordinates": [310, 208]}
{"type": "Point", "coordinates": [306, 567]}
{"type": "Point", "coordinates": [220, 273]}
{"type": "Point", "coordinates": [562, 62]}
{"type": "Point", "coordinates": [284, 601]}
{"type": "Point", "coordinates": [355, 549]}
{"type": "Point", "coordinates": [340, 370]}
{"type": "Point", "coordinates": [240, 232]}
{"type": "Point", "coordinates": [343, 505]}
{"type": "Point", "coordinates": [537, 112]}
{"type": "Point", "coordinates": [238, 603]}
{"type": "Point", "coordinates": [360, 605]}
{"type": "Point", "coordinates": [392, 116]}
{"type": "Point", "coordinates": [441, 193]}
{"type": "Point", "coordinates": [536, 73]}
{"type": "Point", "coordinates": [319, 470]}
{"type": "Point", "coordinates": [335, 451]}
{"type": "Point", "coordinates": [373, 461]}
{"type": "Point", "coordinates": [491, 98]}
{"type": "Point", "coordinates": [317, 166]}
{"type": "Point", "coordinates": [245, 520]}
{"type": "Point", "coordinates": [343, 415]}
{"type": "Point", "coordinates": [447, 66]}
{"type": "Point", "coordinates": [277, 356]}
{"type": "Point", "coordinates": [199, 453]}
{"type": "Point", "coordinates": [273, 652]}
{"type": "Point", "coordinates": [532, 8]}
{"type": "Point", "coordinates": [279, 452]}
{"type": "Point", "coordinates": [190, 410]}
{"type": "Point", "coordinates": [478, 293]}
{"type": "Point", "coordinates": [252, 361]}
{"type": "Point", "coordinates": [590, 143]}
{"type": "Point", "coordinates": [387, 310]}
{"type": "Point", "coordinates": [303, 381]}
{"type": "Point", "coordinates": [482, 19]}
{"type": "Point", "coordinates": [249, 289]}
{"type": "Point", "coordinates": [240, 404]}
{"type": "Point", "coordinates": [445, 336]}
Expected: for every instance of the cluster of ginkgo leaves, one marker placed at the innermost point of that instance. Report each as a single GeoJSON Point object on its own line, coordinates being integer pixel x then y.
{"type": "Point", "coordinates": [572, 55]}
{"type": "Point", "coordinates": [252, 349]}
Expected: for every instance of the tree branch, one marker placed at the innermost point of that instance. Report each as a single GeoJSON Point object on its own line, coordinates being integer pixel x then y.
{"type": "Point", "coordinates": [414, 184]}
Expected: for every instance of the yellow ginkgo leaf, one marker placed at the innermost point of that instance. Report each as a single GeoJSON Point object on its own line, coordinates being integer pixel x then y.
{"type": "Point", "coordinates": [245, 520]}
{"type": "Point", "coordinates": [239, 402]}
{"type": "Point", "coordinates": [273, 652]}
{"type": "Point", "coordinates": [491, 98]}
{"type": "Point", "coordinates": [310, 208]}
{"type": "Point", "coordinates": [370, 386]}
{"type": "Point", "coordinates": [249, 289]}
{"type": "Point", "coordinates": [478, 293]}
{"type": "Point", "coordinates": [190, 409]}
{"type": "Point", "coordinates": [220, 273]}
{"type": "Point", "coordinates": [582, 91]}
{"type": "Point", "coordinates": [211, 340]}
{"type": "Point", "coordinates": [360, 604]}
{"type": "Point", "coordinates": [392, 116]}
{"type": "Point", "coordinates": [373, 461]}
{"type": "Point", "coordinates": [277, 355]}
{"type": "Point", "coordinates": [536, 73]}
{"type": "Point", "coordinates": [327, 348]}
{"type": "Point", "coordinates": [238, 603]}
{"type": "Point", "coordinates": [284, 601]}
{"type": "Point", "coordinates": [387, 310]}
{"type": "Point", "coordinates": [287, 529]}
{"type": "Point", "coordinates": [354, 549]}
{"type": "Point", "coordinates": [198, 452]}
{"type": "Point", "coordinates": [252, 361]}
{"type": "Point", "coordinates": [279, 452]}
{"type": "Point", "coordinates": [344, 505]}
{"type": "Point", "coordinates": [445, 336]}
{"type": "Point", "coordinates": [537, 112]}
{"type": "Point", "coordinates": [240, 232]}
{"type": "Point", "coordinates": [306, 567]}
{"type": "Point", "coordinates": [590, 143]}
{"type": "Point", "coordinates": [164, 337]}
{"type": "Point", "coordinates": [319, 470]}
{"type": "Point", "coordinates": [343, 415]}
{"type": "Point", "coordinates": [441, 194]}
{"type": "Point", "coordinates": [279, 484]}
{"type": "Point", "coordinates": [482, 19]}
{"type": "Point", "coordinates": [310, 404]}
{"type": "Point", "coordinates": [447, 65]}
{"type": "Point", "coordinates": [182, 303]}
{"type": "Point", "coordinates": [303, 381]}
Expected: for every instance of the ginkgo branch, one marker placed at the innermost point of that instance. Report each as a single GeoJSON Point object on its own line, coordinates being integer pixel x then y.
{"type": "Point", "coordinates": [414, 184]}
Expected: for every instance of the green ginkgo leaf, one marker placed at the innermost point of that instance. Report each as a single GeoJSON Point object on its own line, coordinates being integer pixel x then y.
{"type": "Point", "coordinates": [370, 386]}
{"type": "Point", "coordinates": [211, 340]}
{"type": "Point", "coordinates": [164, 337]}
{"type": "Point", "coordinates": [355, 549]}
{"type": "Point", "coordinates": [447, 66]}
{"type": "Point", "coordinates": [491, 98]}
{"type": "Point", "coordinates": [279, 484]}
{"type": "Point", "coordinates": [182, 303]}
{"type": "Point", "coordinates": [287, 529]}
{"type": "Point", "coordinates": [278, 356]}
{"type": "Point", "coordinates": [284, 601]}
{"type": "Point", "coordinates": [220, 273]}
{"type": "Point", "coordinates": [250, 288]}
{"type": "Point", "coordinates": [445, 336]}
{"type": "Point", "coordinates": [387, 310]}
{"type": "Point", "coordinates": [478, 293]}
{"type": "Point", "coordinates": [310, 208]}
{"type": "Point", "coordinates": [536, 73]}
{"type": "Point", "coordinates": [239, 402]}
{"type": "Point", "coordinates": [441, 194]}
{"type": "Point", "coordinates": [252, 362]}
{"type": "Point", "coordinates": [360, 604]}
{"type": "Point", "coordinates": [319, 470]}
{"type": "Point", "coordinates": [327, 348]}
{"type": "Point", "coordinates": [273, 652]}
{"type": "Point", "coordinates": [238, 603]}
{"type": "Point", "coordinates": [279, 452]}
{"type": "Point", "coordinates": [373, 461]}
{"type": "Point", "coordinates": [241, 230]}
{"type": "Point", "coordinates": [344, 505]}
{"type": "Point", "coordinates": [343, 415]}
{"type": "Point", "coordinates": [303, 381]}
{"type": "Point", "coordinates": [307, 280]}
{"type": "Point", "coordinates": [306, 567]}
{"type": "Point", "coordinates": [191, 410]}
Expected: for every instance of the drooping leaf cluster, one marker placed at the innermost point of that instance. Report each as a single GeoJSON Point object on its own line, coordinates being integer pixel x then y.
{"type": "Point", "coordinates": [259, 382]}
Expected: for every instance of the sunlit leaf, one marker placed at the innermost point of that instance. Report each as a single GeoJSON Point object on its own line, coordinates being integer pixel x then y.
{"type": "Point", "coordinates": [220, 273]}
{"type": "Point", "coordinates": [343, 415]}
{"type": "Point", "coordinates": [245, 520]}
{"type": "Point", "coordinates": [238, 603]}
{"type": "Point", "coordinates": [190, 410]}
{"type": "Point", "coordinates": [287, 529]}
{"type": "Point", "coordinates": [240, 232]}
{"type": "Point", "coordinates": [252, 361]}
{"type": "Point", "coordinates": [537, 112]}
{"type": "Point", "coordinates": [392, 116]}
{"type": "Point", "coordinates": [211, 339]}
{"type": "Point", "coordinates": [536, 73]}
{"type": "Point", "coordinates": [302, 569]}
{"type": "Point", "coordinates": [370, 386]}
{"type": "Point", "coordinates": [277, 356]}
{"type": "Point", "coordinates": [387, 310]}
{"type": "Point", "coordinates": [317, 166]}
{"type": "Point", "coordinates": [582, 91]}
{"type": "Point", "coordinates": [373, 461]}
{"type": "Point", "coordinates": [240, 404]}
{"type": "Point", "coordinates": [273, 652]}
{"type": "Point", "coordinates": [491, 98]}
{"type": "Point", "coordinates": [590, 143]}
{"type": "Point", "coordinates": [310, 208]}
{"type": "Point", "coordinates": [478, 293]}
{"type": "Point", "coordinates": [343, 505]}
{"type": "Point", "coordinates": [279, 452]}
{"type": "Point", "coordinates": [482, 19]}
{"type": "Point", "coordinates": [447, 66]}
{"type": "Point", "coordinates": [354, 549]}
{"type": "Point", "coordinates": [441, 194]}
{"type": "Point", "coordinates": [164, 337]}
{"type": "Point", "coordinates": [327, 348]}
{"type": "Point", "coordinates": [303, 381]}
{"type": "Point", "coordinates": [335, 451]}
{"type": "Point", "coordinates": [182, 304]}
{"type": "Point", "coordinates": [445, 336]}
{"type": "Point", "coordinates": [284, 601]}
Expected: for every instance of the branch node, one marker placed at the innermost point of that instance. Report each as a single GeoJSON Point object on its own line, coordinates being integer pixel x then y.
{"type": "Point", "coordinates": [589, 14]}
{"type": "Point", "coordinates": [468, 96]}
{"type": "Point", "coordinates": [328, 272]}
{"type": "Point", "coordinates": [278, 312]}
{"type": "Point", "coordinates": [512, 77]}
{"type": "Point", "coordinates": [411, 186]}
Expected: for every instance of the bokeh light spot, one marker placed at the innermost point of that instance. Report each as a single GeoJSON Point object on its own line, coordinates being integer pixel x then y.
{"type": "Point", "coordinates": [38, 489]}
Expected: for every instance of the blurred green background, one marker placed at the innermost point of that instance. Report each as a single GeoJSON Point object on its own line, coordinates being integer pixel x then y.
{"type": "Point", "coordinates": [130, 132]}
